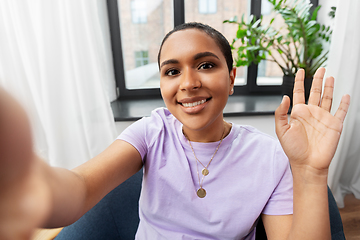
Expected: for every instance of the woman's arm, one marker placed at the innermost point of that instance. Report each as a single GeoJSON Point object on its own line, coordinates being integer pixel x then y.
{"type": "Point", "coordinates": [75, 192]}
{"type": "Point", "coordinates": [309, 140]}
{"type": "Point", "coordinates": [33, 194]}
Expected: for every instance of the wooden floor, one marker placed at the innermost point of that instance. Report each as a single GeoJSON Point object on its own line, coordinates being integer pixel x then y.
{"type": "Point", "coordinates": [350, 216]}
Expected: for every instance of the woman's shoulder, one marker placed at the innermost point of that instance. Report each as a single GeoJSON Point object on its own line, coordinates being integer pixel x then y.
{"type": "Point", "coordinates": [151, 126]}
{"type": "Point", "coordinates": [249, 138]}
{"type": "Point", "coordinates": [157, 118]}
{"type": "Point", "coordinates": [260, 148]}
{"type": "Point", "coordinates": [160, 118]}
{"type": "Point", "coordinates": [144, 132]}
{"type": "Point", "coordinates": [250, 132]}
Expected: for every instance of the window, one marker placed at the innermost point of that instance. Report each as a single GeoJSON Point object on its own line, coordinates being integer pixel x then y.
{"type": "Point", "coordinates": [138, 11]}
{"type": "Point", "coordinates": [207, 6]}
{"type": "Point", "coordinates": [136, 71]}
{"type": "Point", "coordinates": [141, 58]}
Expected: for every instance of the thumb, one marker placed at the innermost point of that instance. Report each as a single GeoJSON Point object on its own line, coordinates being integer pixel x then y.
{"type": "Point", "coordinates": [281, 117]}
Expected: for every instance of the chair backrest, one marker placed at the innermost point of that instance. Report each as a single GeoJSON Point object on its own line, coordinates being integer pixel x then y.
{"type": "Point", "coordinates": [116, 216]}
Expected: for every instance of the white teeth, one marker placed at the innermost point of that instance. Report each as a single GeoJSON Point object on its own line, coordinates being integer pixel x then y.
{"type": "Point", "coordinates": [194, 103]}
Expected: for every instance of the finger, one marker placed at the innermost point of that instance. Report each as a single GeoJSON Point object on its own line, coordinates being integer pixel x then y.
{"type": "Point", "coordinates": [316, 87]}
{"type": "Point", "coordinates": [298, 92]}
{"type": "Point", "coordinates": [281, 117]}
{"type": "Point", "coordinates": [343, 108]}
{"type": "Point", "coordinates": [327, 97]}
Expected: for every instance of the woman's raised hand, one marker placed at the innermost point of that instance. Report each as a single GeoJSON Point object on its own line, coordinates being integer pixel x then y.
{"type": "Point", "coordinates": [24, 195]}
{"type": "Point", "coordinates": [311, 136]}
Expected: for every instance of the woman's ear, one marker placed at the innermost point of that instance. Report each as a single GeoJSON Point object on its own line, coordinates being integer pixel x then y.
{"type": "Point", "coordinates": [232, 80]}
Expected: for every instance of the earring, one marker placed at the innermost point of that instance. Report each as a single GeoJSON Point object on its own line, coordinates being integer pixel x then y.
{"type": "Point", "coordinates": [232, 91]}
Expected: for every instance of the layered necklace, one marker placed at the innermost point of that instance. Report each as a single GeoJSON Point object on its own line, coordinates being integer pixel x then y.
{"type": "Point", "coordinates": [205, 171]}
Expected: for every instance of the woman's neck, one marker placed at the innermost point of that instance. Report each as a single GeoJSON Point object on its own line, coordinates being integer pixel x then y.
{"type": "Point", "coordinates": [212, 133]}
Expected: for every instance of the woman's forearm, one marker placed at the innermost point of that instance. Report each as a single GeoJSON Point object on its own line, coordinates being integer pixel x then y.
{"type": "Point", "coordinates": [67, 195]}
{"type": "Point", "coordinates": [311, 208]}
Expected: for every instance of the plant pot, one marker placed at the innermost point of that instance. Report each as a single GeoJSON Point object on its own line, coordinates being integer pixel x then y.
{"type": "Point", "coordinates": [288, 86]}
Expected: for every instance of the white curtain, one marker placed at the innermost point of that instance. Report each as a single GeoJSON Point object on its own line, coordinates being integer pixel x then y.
{"type": "Point", "coordinates": [55, 58]}
{"type": "Point", "coordinates": [344, 65]}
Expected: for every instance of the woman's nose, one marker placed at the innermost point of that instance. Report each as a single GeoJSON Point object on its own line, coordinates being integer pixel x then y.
{"type": "Point", "coordinates": [190, 81]}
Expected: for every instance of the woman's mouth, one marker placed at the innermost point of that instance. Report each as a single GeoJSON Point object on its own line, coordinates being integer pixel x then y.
{"type": "Point", "coordinates": [193, 104]}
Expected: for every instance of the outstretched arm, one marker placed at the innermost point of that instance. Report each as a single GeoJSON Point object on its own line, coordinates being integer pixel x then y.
{"type": "Point", "coordinates": [33, 194]}
{"type": "Point", "coordinates": [310, 139]}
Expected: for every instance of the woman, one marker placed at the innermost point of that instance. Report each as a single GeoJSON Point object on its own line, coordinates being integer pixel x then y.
{"type": "Point", "coordinates": [204, 178]}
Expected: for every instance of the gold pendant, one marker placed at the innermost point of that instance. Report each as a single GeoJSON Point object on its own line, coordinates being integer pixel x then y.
{"type": "Point", "coordinates": [205, 172]}
{"type": "Point", "coordinates": [201, 192]}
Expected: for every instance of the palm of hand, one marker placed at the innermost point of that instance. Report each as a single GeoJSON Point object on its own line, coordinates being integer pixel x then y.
{"type": "Point", "coordinates": [311, 136]}
{"type": "Point", "coordinates": [24, 194]}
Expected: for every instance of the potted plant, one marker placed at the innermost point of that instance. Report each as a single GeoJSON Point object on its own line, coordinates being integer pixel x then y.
{"type": "Point", "coordinates": [296, 44]}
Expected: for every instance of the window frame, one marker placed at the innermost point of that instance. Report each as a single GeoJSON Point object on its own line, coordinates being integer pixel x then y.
{"type": "Point", "coordinates": [251, 88]}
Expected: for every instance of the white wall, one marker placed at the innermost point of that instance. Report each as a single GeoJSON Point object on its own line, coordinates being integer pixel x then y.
{"type": "Point", "coordinates": [323, 15]}
{"type": "Point", "coordinates": [324, 11]}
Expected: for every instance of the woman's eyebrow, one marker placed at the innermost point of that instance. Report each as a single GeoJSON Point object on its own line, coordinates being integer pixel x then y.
{"type": "Point", "coordinates": [170, 61]}
{"type": "Point", "coordinates": [205, 54]}
{"type": "Point", "coordinates": [196, 57]}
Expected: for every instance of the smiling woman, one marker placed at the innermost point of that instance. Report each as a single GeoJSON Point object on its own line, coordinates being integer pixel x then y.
{"type": "Point", "coordinates": [204, 178]}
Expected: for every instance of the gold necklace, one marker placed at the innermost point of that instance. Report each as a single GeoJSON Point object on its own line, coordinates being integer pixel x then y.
{"type": "Point", "coordinates": [201, 191]}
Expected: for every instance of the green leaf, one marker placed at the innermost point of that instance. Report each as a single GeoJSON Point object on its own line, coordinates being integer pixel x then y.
{"type": "Point", "coordinates": [253, 48]}
{"type": "Point", "coordinates": [256, 23]}
{"type": "Point", "coordinates": [311, 24]}
{"type": "Point", "coordinates": [270, 43]}
{"type": "Point", "coordinates": [251, 17]}
{"type": "Point", "coordinates": [241, 33]}
{"type": "Point", "coordinates": [272, 34]}
{"type": "Point", "coordinates": [271, 21]}
{"type": "Point", "coordinates": [253, 40]}
{"type": "Point", "coordinates": [314, 15]}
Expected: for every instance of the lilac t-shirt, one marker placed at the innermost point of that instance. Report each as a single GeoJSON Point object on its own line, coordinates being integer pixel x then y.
{"type": "Point", "coordinates": [249, 175]}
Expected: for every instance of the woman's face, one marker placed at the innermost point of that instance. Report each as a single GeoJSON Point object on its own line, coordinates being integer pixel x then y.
{"type": "Point", "coordinates": [195, 82]}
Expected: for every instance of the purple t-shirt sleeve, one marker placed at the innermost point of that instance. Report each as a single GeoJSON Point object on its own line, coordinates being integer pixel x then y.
{"type": "Point", "coordinates": [282, 196]}
{"type": "Point", "coordinates": [143, 133]}
{"type": "Point", "coordinates": [135, 134]}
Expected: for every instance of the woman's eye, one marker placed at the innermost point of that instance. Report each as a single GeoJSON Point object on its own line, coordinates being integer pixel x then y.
{"type": "Point", "coordinates": [171, 72]}
{"type": "Point", "coordinates": [206, 66]}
